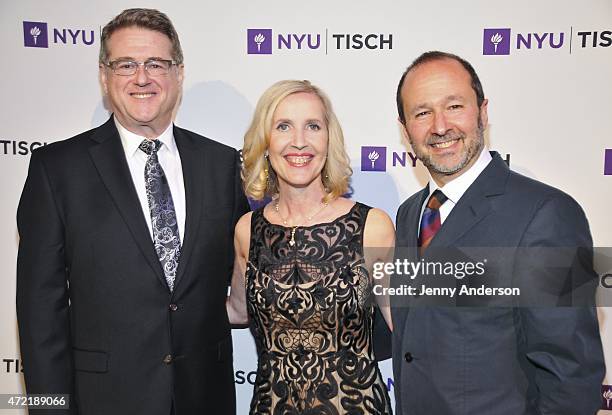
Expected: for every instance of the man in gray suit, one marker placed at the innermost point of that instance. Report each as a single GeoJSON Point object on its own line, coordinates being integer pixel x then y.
{"type": "Point", "coordinates": [484, 355]}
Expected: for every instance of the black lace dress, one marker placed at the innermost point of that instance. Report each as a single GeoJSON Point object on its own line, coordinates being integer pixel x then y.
{"type": "Point", "coordinates": [311, 311]}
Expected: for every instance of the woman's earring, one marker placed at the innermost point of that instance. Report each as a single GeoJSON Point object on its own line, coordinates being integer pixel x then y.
{"type": "Point", "coordinates": [267, 171]}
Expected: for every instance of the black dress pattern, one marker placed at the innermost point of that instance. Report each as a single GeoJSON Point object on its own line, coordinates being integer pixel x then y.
{"type": "Point", "coordinates": [312, 318]}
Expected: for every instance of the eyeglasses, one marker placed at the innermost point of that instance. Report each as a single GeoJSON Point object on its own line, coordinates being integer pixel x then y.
{"type": "Point", "coordinates": [154, 67]}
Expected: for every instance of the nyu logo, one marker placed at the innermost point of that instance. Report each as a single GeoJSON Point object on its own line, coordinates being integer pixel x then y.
{"type": "Point", "coordinates": [259, 41]}
{"type": "Point", "coordinates": [606, 394]}
{"type": "Point", "coordinates": [313, 41]}
{"type": "Point", "coordinates": [263, 41]}
{"type": "Point", "coordinates": [35, 35]}
{"type": "Point", "coordinates": [498, 41]}
{"type": "Point", "coordinates": [608, 162]}
{"type": "Point", "coordinates": [373, 158]}
{"type": "Point", "coordinates": [68, 35]}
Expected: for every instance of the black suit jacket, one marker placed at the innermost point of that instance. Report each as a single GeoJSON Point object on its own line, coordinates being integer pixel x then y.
{"type": "Point", "coordinates": [517, 359]}
{"type": "Point", "coordinates": [96, 319]}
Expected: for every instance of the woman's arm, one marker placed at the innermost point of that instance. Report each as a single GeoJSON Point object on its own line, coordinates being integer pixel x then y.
{"type": "Point", "coordinates": [236, 301]}
{"type": "Point", "coordinates": [379, 244]}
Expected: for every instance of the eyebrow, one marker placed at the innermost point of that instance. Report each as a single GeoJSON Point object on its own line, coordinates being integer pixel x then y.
{"type": "Point", "coordinates": [287, 120]}
{"type": "Point", "coordinates": [454, 98]}
{"type": "Point", "coordinates": [426, 105]}
{"type": "Point", "coordinates": [151, 58]}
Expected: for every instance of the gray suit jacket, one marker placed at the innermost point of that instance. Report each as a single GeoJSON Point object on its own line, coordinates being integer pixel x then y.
{"type": "Point", "coordinates": [480, 356]}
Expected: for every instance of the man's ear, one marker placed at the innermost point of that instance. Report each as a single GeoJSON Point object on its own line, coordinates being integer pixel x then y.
{"type": "Point", "coordinates": [181, 74]}
{"type": "Point", "coordinates": [404, 132]}
{"type": "Point", "coordinates": [484, 116]}
{"type": "Point", "coordinates": [103, 78]}
{"type": "Point", "coordinates": [403, 129]}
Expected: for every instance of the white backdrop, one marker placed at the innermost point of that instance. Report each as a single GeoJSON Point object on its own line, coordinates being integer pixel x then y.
{"type": "Point", "coordinates": [550, 102]}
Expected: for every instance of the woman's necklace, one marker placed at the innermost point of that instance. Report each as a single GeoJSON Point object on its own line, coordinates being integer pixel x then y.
{"type": "Point", "coordinates": [294, 227]}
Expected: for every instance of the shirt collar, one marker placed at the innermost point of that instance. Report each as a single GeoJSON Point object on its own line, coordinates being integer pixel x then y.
{"type": "Point", "coordinates": [131, 141]}
{"type": "Point", "coordinates": [457, 187]}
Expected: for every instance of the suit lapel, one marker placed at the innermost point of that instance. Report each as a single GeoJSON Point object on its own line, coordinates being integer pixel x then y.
{"type": "Point", "coordinates": [193, 165]}
{"type": "Point", "coordinates": [414, 219]}
{"type": "Point", "coordinates": [407, 249]}
{"type": "Point", "coordinates": [475, 204]}
{"type": "Point", "coordinates": [109, 158]}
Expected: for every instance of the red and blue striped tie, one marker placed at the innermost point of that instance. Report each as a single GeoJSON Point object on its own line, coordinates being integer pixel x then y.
{"type": "Point", "coordinates": [430, 222]}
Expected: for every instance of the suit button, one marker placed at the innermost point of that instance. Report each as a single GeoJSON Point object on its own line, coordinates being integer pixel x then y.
{"type": "Point", "coordinates": [173, 307]}
{"type": "Point", "coordinates": [408, 357]}
{"type": "Point", "coordinates": [167, 359]}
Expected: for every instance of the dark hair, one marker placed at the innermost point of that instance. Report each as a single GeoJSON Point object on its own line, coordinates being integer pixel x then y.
{"type": "Point", "coordinates": [148, 19]}
{"type": "Point", "coordinates": [434, 56]}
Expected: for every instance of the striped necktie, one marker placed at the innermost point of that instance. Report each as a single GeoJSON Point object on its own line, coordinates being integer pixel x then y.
{"type": "Point", "coordinates": [430, 221]}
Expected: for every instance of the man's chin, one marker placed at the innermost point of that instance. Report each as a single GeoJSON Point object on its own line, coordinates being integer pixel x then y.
{"type": "Point", "coordinates": [445, 169]}
{"type": "Point", "coordinates": [144, 120]}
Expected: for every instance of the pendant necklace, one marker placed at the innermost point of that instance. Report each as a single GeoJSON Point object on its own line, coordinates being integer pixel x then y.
{"type": "Point", "coordinates": [294, 228]}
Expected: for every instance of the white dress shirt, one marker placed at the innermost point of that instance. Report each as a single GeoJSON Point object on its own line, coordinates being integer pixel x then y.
{"type": "Point", "coordinates": [454, 189]}
{"type": "Point", "coordinates": [170, 161]}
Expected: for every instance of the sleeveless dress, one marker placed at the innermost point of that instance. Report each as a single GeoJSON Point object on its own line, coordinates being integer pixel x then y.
{"type": "Point", "coordinates": [311, 314]}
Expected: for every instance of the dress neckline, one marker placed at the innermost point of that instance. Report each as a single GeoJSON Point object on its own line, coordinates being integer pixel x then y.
{"type": "Point", "coordinates": [344, 215]}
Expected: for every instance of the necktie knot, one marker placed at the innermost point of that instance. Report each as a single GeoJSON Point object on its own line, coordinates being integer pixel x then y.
{"type": "Point", "coordinates": [436, 199]}
{"type": "Point", "coordinates": [150, 146]}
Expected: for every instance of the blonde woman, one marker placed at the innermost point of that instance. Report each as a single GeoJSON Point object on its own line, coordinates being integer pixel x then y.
{"type": "Point", "coordinates": [301, 273]}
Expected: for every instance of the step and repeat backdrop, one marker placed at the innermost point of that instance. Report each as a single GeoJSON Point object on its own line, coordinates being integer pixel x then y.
{"type": "Point", "coordinates": [545, 67]}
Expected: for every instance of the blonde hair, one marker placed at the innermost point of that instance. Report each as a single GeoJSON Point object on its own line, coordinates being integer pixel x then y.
{"type": "Point", "coordinates": [259, 178]}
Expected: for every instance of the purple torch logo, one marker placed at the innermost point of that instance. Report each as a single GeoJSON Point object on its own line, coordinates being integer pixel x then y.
{"type": "Point", "coordinates": [259, 41]}
{"type": "Point", "coordinates": [35, 35]}
{"type": "Point", "coordinates": [373, 158]}
{"type": "Point", "coordinates": [496, 42]}
{"type": "Point", "coordinates": [606, 394]}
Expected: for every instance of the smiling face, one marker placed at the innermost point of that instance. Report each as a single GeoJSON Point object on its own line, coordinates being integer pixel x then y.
{"type": "Point", "coordinates": [444, 124]}
{"type": "Point", "coordinates": [141, 103]}
{"type": "Point", "coordinates": [298, 141]}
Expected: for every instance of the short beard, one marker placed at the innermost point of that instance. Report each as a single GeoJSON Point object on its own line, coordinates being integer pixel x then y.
{"type": "Point", "coordinates": [473, 149]}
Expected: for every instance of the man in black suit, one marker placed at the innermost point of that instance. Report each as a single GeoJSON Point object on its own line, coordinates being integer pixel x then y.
{"type": "Point", "coordinates": [536, 354]}
{"type": "Point", "coordinates": [126, 247]}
